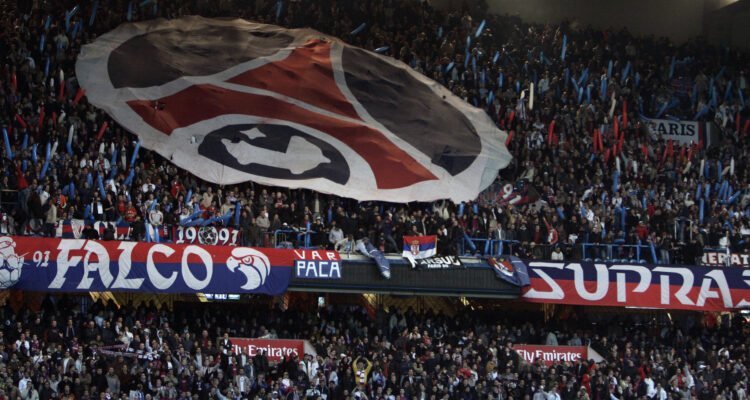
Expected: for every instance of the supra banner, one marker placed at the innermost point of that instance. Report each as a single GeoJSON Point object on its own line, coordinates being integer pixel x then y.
{"type": "Point", "coordinates": [531, 353]}
{"type": "Point", "coordinates": [78, 265]}
{"type": "Point", "coordinates": [634, 285]}
{"type": "Point", "coordinates": [274, 349]}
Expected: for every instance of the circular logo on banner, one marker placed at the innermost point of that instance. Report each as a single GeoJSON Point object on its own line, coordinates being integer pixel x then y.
{"type": "Point", "coordinates": [11, 265]}
{"type": "Point", "coordinates": [208, 235]}
{"type": "Point", "coordinates": [234, 101]}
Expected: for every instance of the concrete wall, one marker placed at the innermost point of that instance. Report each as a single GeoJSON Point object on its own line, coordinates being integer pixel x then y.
{"type": "Point", "coordinates": [722, 22]}
{"type": "Point", "coordinates": [729, 25]}
{"type": "Point", "coordinates": [678, 20]}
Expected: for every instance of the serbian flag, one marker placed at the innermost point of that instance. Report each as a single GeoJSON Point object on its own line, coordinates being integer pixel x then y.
{"type": "Point", "coordinates": [418, 247]}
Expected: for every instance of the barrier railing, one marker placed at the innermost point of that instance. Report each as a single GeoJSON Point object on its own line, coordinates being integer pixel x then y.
{"type": "Point", "coordinates": [304, 239]}
{"type": "Point", "coordinates": [496, 247]}
{"type": "Point", "coordinates": [281, 238]}
{"type": "Point", "coordinates": [640, 253]}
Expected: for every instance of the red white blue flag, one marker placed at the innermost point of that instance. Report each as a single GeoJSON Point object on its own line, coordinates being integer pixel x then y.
{"type": "Point", "coordinates": [418, 247]}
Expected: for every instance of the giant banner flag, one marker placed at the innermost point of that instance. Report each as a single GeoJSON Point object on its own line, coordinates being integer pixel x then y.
{"type": "Point", "coordinates": [79, 265]}
{"type": "Point", "coordinates": [233, 101]}
{"type": "Point", "coordinates": [636, 285]}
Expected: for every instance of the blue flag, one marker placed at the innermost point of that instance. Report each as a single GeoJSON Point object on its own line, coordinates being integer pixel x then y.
{"type": "Point", "coordinates": [69, 15]}
{"type": "Point", "coordinates": [728, 92]}
{"type": "Point", "coordinates": [93, 13]}
{"type": "Point", "coordinates": [280, 6]}
{"type": "Point", "coordinates": [625, 72]}
{"type": "Point", "coordinates": [671, 68]}
{"type": "Point", "coordinates": [8, 152]}
{"type": "Point", "coordinates": [135, 153]}
{"type": "Point", "coordinates": [359, 29]}
{"type": "Point", "coordinates": [480, 29]}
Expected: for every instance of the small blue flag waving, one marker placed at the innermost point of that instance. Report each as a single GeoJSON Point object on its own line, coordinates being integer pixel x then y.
{"type": "Point", "coordinates": [418, 247]}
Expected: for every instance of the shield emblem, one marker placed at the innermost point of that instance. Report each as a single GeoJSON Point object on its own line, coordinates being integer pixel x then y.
{"type": "Point", "coordinates": [76, 226]}
{"type": "Point", "coordinates": [502, 265]}
{"type": "Point", "coordinates": [208, 235]}
{"type": "Point", "coordinates": [415, 247]}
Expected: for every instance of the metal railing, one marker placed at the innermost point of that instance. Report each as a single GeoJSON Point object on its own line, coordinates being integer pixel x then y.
{"type": "Point", "coordinates": [618, 251]}
{"type": "Point", "coordinates": [467, 246]}
{"type": "Point", "coordinates": [639, 253]}
{"type": "Point", "coordinates": [290, 238]}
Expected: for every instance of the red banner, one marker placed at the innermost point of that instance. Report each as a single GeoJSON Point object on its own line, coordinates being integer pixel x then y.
{"type": "Point", "coordinates": [275, 349]}
{"type": "Point", "coordinates": [531, 353]}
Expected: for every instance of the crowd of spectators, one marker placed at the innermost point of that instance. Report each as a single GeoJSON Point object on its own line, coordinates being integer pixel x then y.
{"type": "Point", "coordinates": [65, 351]}
{"type": "Point", "coordinates": [605, 79]}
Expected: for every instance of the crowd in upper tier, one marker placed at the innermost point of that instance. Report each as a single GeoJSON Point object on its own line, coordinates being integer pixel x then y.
{"type": "Point", "coordinates": [65, 351]}
{"type": "Point", "coordinates": [601, 175]}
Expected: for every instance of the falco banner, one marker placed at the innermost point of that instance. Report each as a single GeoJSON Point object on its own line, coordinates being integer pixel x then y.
{"type": "Point", "coordinates": [79, 265]}
{"type": "Point", "coordinates": [234, 101]}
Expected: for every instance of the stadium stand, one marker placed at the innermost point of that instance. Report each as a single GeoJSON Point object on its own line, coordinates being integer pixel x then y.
{"type": "Point", "coordinates": [604, 186]}
{"type": "Point", "coordinates": [587, 187]}
{"type": "Point", "coordinates": [143, 352]}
